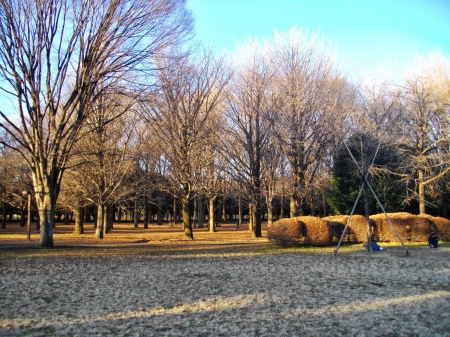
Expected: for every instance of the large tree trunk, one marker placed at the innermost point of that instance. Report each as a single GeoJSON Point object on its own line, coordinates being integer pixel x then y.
{"type": "Point", "coordinates": [100, 222]}
{"type": "Point", "coordinates": [46, 211]}
{"type": "Point", "coordinates": [78, 214]}
{"type": "Point", "coordinates": [46, 219]}
{"type": "Point", "coordinates": [256, 215]}
{"type": "Point", "coordinates": [293, 206]}
{"type": "Point", "coordinates": [187, 224]}
{"type": "Point", "coordinates": [109, 221]}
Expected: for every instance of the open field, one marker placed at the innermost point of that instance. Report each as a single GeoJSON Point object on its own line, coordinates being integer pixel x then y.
{"type": "Point", "coordinates": [140, 284]}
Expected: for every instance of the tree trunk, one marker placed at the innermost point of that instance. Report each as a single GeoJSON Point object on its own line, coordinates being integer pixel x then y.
{"type": "Point", "coordinates": [160, 215]}
{"type": "Point", "coordinates": [201, 212]}
{"type": "Point", "coordinates": [293, 206]}
{"type": "Point", "coordinates": [109, 218]}
{"type": "Point", "coordinates": [224, 213]}
{"type": "Point", "coordinates": [22, 216]}
{"type": "Point", "coordinates": [66, 218]}
{"type": "Point", "coordinates": [251, 218]}
{"type": "Point", "coordinates": [78, 213]}
{"type": "Point", "coordinates": [112, 216]}
{"type": "Point", "coordinates": [257, 219]}
{"type": "Point", "coordinates": [195, 213]}
{"type": "Point", "coordinates": [135, 211]}
{"type": "Point", "coordinates": [46, 220]}
{"type": "Point", "coordinates": [422, 209]}
{"type": "Point", "coordinates": [240, 210]}
{"type": "Point", "coordinates": [174, 210]}
{"type": "Point", "coordinates": [269, 212]}
{"type": "Point", "coordinates": [46, 210]}
{"type": "Point", "coordinates": [187, 224]}
{"type": "Point", "coordinates": [100, 218]}
{"type": "Point", "coordinates": [212, 227]}
{"type": "Point", "coordinates": [367, 215]}
{"type": "Point", "coordinates": [3, 215]}
{"type": "Point", "coordinates": [146, 212]}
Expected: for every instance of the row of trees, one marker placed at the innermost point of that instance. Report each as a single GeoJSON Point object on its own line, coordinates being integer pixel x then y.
{"type": "Point", "coordinates": [123, 112]}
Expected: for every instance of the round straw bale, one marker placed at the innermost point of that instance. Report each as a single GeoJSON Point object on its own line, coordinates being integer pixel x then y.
{"type": "Point", "coordinates": [410, 227]}
{"type": "Point", "coordinates": [439, 225]}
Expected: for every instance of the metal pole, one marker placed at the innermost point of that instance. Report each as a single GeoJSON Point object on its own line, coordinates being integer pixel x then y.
{"type": "Point", "coordinates": [378, 201]}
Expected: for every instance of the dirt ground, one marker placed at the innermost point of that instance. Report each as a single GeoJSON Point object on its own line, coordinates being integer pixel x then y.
{"type": "Point", "coordinates": [155, 283]}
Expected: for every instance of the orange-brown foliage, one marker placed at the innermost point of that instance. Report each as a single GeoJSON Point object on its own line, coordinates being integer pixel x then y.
{"type": "Point", "coordinates": [410, 227]}
{"type": "Point", "coordinates": [440, 225]}
{"type": "Point", "coordinates": [308, 230]}
{"type": "Point", "coordinates": [357, 228]}
{"type": "Point", "coordinates": [316, 231]}
{"type": "Point", "coordinates": [285, 232]}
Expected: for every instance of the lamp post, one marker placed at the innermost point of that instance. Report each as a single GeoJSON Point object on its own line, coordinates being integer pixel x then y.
{"type": "Point", "coordinates": [28, 194]}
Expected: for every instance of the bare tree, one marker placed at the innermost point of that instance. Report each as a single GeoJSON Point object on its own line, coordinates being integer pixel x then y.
{"type": "Point", "coordinates": [312, 98]}
{"type": "Point", "coordinates": [54, 57]}
{"type": "Point", "coordinates": [189, 91]}
{"type": "Point", "coordinates": [106, 156]}
{"type": "Point", "coordinates": [249, 107]}
{"type": "Point", "coordinates": [425, 125]}
{"type": "Point", "coordinates": [14, 180]}
{"type": "Point", "coordinates": [271, 165]}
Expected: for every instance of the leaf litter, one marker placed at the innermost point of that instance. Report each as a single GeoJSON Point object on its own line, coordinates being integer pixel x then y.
{"type": "Point", "coordinates": [231, 292]}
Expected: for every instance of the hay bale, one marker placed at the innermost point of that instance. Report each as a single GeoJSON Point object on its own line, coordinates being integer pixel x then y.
{"type": "Point", "coordinates": [439, 225]}
{"type": "Point", "coordinates": [357, 229]}
{"type": "Point", "coordinates": [410, 227]}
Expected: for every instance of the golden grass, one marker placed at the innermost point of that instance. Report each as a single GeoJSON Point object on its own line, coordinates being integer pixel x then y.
{"type": "Point", "coordinates": [126, 233]}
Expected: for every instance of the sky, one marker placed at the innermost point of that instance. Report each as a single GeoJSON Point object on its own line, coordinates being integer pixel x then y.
{"type": "Point", "coordinates": [373, 38]}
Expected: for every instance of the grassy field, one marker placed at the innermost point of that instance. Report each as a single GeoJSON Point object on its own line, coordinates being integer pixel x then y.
{"type": "Point", "coordinates": [155, 283]}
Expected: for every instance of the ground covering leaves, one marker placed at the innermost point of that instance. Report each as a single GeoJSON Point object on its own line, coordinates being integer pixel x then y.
{"type": "Point", "coordinates": [222, 289]}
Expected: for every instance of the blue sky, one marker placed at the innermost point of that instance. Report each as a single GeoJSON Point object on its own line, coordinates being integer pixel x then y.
{"type": "Point", "coordinates": [370, 35]}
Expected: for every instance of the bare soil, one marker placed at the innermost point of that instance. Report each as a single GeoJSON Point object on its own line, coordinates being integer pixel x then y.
{"type": "Point", "coordinates": [153, 282]}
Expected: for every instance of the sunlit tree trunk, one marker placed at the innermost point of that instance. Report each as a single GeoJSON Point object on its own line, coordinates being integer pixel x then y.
{"type": "Point", "coordinates": [99, 231]}
{"type": "Point", "coordinates": [212, 226]}
{"type": "Point", "coordinates": [421, 187]}
{"type": "Point", "coordinates": [78, 215]}
{"type": "Point", "coordinates": [186, 212]}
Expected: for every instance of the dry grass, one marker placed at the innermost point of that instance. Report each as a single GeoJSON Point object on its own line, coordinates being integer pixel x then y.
{"type": "Point", "coordinates": [126, 233]}
{"type": "Point", "coordinates": [170, 287]}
